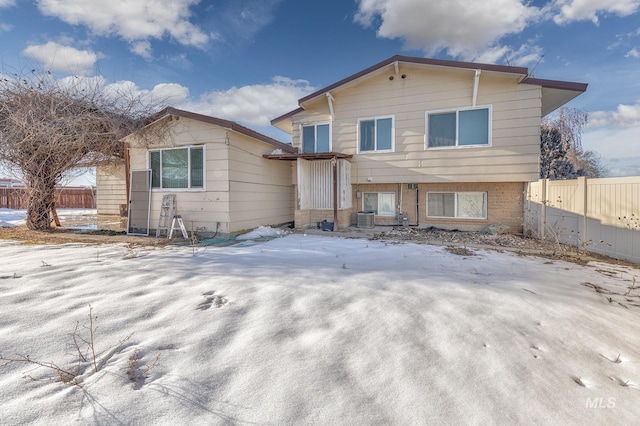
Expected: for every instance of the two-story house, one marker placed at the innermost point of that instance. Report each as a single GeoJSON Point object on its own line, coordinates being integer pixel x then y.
{"type": "Point", "coordinates": [421, 142]}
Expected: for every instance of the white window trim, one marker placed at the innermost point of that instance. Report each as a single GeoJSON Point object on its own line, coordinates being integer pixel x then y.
{"type": "Point", "coordinates": [315, 131]}
{"type": "Point", "coordinates": [204, 168]}
{"type": "Point", "coordinates": [393, 134]}
{"type": "Point", "coordinates": [455, 205]}
{"type": "Point", "coordinates": [457, 111]}
{"type": "Point", "coordinates": [378, 207]}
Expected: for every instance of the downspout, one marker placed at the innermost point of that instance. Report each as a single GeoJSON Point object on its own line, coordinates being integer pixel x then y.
{"type": "Point", "coordinates": [334, 163]}
{"type": "Point", "coordinates": [543, 213]}
{"type": "Point", "coordinates": [476, 81]}
{"type": "Point", "coordinates": [417, 204]}
{"type": "Point", "coordinates": [330, 101]}
{"type": "Point", "coordinates": [127, 172]}
{"type": "Point", "coordinates": [585, 206]}
{"type": "Point", "coordinates": [400, 214]}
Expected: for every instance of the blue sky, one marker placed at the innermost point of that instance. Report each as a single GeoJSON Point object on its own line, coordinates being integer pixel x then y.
{"type": "Point", "coordinates": [250, 60]}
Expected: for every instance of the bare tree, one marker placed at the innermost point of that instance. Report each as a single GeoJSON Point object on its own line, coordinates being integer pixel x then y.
{"type": "Point", "coordinates": [562, 155]}
{"type": "Point", "coordinates": [49, 127]}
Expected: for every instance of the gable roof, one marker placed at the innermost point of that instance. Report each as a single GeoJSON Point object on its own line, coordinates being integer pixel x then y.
{"type": "Point", "coordinates": [227, 124]}
{"type": "Point", "coordinates": [567, 90]}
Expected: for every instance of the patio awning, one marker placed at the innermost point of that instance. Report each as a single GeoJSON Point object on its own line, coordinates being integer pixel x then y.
{"type": "Point", "coordinates": [308, 156]}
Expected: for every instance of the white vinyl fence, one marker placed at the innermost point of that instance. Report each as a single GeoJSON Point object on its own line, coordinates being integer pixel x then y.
{"type": "Point", "coordinates": [598, 215]}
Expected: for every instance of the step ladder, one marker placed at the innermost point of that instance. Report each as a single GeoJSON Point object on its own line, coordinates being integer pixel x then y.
{"type": "Point", "coordinates": [177, 220]}
{"type": "Point", "coordinates": [167, 212]}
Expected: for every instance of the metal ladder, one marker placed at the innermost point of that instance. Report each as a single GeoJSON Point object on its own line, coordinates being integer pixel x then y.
{"type": "Point", "coordinates": [167, 212]}
{"type": "Point", "coordinates": [177, 219]}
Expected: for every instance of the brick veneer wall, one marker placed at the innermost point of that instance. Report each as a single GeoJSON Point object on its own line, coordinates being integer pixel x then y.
{"type": "Point", "coordinates": [505, 206]}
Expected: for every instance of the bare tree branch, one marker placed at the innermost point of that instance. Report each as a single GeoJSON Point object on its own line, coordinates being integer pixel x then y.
{"type": "Point", "coordinates": [49, 127]}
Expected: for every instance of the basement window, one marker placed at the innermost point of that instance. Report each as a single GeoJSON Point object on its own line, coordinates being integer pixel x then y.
{"type": "Point", "coordinates": [381, 203]}
{"type": "Point", "coordinates": [463, 205]}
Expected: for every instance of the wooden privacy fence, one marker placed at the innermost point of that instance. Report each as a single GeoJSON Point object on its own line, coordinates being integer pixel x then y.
{"type": "Point", "coordinates": [70, 198]}
{"type": "Point", "coordinates": [598, 215]}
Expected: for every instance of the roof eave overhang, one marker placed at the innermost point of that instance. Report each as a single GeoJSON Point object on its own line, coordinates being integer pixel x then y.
{"type": "Point", "coordinates": [284, 122]}
{"type": "Point", "coordinates": [392, 61]}
{"type": "Point", "coordinates": [226, 124]}
{"type": "Point", "coordinates": [556, 93]}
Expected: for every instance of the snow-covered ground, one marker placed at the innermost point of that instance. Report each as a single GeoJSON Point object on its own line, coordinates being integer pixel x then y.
{"type": "Point", "coordinates": [10, 217]}
{"type": "Point", "coordinates": [318, 330]}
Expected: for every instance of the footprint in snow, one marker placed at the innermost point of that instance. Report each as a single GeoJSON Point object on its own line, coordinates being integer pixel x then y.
{"type": "Point", "coordinates": [615, 360]}
{"type": "Point", "coordinates": [580, 381]}
{"type": "Point", "coordinates": [624, 383]}
{"type": "Point", "coordinates": [537, 348]}
{"type": "Point", "coordinates": [210, 300]}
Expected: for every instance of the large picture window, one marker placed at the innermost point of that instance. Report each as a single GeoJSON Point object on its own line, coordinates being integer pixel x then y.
{"type": "Point", "coordinates": [316, 138]}
{"type": "Point", "coordinates": [381, 203]}
{"type": "Point", "coordinates": [465, 127]}
{"type": "Point", "coordinates": [470, 205]}
{"type": "Point", "coordinates": [376, 134]}
{"type": "Point", "coordinates": [177, 168]}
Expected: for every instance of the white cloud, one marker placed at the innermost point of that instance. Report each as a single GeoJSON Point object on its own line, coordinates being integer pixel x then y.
{"type": "Point", "coordinates": [616, 136]}
{"type": "Point", "coordinates": [460, 27]}
{"type": "Point", "coordinates": [619, 167]}
{"type": "Point", "coordinates": [5, 27]}
{"type": "Point", "coordinates": [524, 56]}
{"type": "Point", "coordinates": [619, 148]}
{"type": "Point", "coordinates": [58, 57]}
{"type": "Point", "coordinates": [161, 95]}
{"type": "Point", "coordinates": [7, 3]}
{"type": "Point", "coordinates": [133, 20]}
{"type": "Point", "coordinates": [633, 53]}
{"type": "Point", "coordinates": [582, 10]}
{"type": "Point", "coordinates": [254, 105]}
{"type": "Point", "coordinates": [142, 48]}
{"type": "Point", "coordinates": [170, 93]}
{"type": "Point", "coordinates": [623, 116]}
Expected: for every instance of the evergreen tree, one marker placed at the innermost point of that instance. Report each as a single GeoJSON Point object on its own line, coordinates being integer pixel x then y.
{"type": "Point", "coordinates": [561, 153]}
{"type": "Point", "coordinates": [554, 162]}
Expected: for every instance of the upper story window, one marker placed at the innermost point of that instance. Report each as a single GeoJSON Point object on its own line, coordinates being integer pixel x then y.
{"type": "Point", "coordinates": [316, 138]}
{"type": "Point", "coordinates": [459, 128]}
{"type": "Point", "coordinates": [376, 134]}
{"type": "Point", "coordinates": [177, 168]}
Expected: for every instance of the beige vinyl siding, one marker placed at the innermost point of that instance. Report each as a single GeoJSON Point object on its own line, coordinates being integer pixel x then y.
{"type": "Point", "coordinates": [111, 189]}
{"type": "Point", "coordinates": [317, 112]}
{"type": "Point", "coordinates": [242, 190]}
{"type": "Point", "coordinates": [201, 210]}
{"type": "Point", "coordinates": [514, 152]}
{"type": "Point", "coordinates": [261, 192]}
